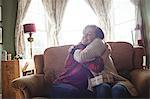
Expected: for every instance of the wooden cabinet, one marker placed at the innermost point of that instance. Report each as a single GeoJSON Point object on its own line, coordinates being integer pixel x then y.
{"type": "Point", "coordinates": [10, 71]}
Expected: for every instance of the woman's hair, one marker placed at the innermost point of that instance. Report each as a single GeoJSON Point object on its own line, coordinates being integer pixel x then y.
{"type": "Point", "coordinates": [98, 31]}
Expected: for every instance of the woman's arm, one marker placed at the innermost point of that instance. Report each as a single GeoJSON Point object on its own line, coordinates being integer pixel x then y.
{"type": "Point", "coordinates": [93, 50]}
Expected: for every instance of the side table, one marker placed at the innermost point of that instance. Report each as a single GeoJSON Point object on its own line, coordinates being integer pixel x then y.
{"type": "Point", "coordinates": [10, 70]}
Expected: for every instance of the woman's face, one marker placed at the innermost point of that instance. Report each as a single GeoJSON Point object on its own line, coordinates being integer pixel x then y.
{"type": "Point", "coordinates": [88, 36]}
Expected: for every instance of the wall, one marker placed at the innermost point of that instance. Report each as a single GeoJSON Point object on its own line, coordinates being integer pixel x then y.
{"type": "Point", "coordinates": [9, 8]}
{"type": "Point", "coordinates": [0, 70]}
{"type": "Point", "coordinates": [0, 59]}
{"type": "Point", "coordinates": [9, 19]}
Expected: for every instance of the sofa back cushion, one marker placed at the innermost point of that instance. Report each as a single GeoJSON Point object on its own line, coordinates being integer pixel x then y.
{"type": "Point", "coordinates": [122, 55]}
{"type": "Point", "coordinates": [54, 59]}
{"type": "Point", "coordinates": [139, 52]}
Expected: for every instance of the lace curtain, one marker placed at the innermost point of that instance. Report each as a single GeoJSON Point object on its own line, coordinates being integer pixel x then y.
{"type": "Point", "coordinates": [138, 23]}
{"type": "Point", "coordinates": [137, 4]}
{"type": "Point", "coordinates": [19, 36]}
{"type": "Point", "coordinates": [102, 9]}
{"type": "Point", "coordinates": [144, 30]}
{"type": "Point", "coordinates": [55, 10]}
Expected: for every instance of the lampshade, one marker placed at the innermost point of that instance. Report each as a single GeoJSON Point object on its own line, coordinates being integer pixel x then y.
{"type": "Point", "coordinates": [29, 28]}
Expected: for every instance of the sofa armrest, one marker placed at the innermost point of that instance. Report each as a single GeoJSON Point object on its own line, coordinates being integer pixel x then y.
{"type": "Point", "coordinates": [141, 79]}
{"type": "Point", "coordinates": [32, 86]}
{"type": "Point", "coordinates": [39, 63]}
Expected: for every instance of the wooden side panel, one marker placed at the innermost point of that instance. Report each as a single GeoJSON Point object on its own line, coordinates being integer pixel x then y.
{"type": "Point", "coordinates": [10, 71]}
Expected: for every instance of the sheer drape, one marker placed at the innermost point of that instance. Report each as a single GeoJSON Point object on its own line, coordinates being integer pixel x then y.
{"type": "Point", "coordinates": [138, 20]}
{"type": "Point", "coordinates": [55, 10]}
{"type": "Point", "coordinates": [102, 9]}
{"type": "Point", "coordinates": [144, 30]}
{"type": "Point", "coordinates": [137, 4]}
{"type": "Point", "coordinates": [19, 36]}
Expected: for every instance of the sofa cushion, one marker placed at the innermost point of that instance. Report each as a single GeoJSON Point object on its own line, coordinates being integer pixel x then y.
{"type": "Point", "coordinates": [54, 59]}
{"type": "Point", "coordinates": [139, 52]}
{"type": "Point", "coordinates": [122, 55]}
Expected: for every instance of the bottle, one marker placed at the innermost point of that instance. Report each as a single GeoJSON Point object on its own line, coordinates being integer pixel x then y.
{"type": "Point", "coordinates": [4, 55]}
{"type": "Point", "coordinates": [9, 56]}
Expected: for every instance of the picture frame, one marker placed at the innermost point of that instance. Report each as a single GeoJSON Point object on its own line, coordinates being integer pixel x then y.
{"type": "Point", "coordinates": [1, 35]}
{"type": "Point", "coordinates": [0, 13]}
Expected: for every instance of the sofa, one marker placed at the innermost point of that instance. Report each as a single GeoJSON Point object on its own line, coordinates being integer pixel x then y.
{"type": "Point", "coordinates": [127, 59]}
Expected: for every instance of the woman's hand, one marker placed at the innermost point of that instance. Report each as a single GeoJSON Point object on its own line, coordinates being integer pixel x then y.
{"type": "Point", "coordinates": [70, 49]}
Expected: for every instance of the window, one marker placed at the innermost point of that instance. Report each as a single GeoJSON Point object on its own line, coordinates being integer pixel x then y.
{"type": "Point", "coordinates": [36, 14]}
{"type": "Point", "coordinates": [77, 15]}
{"type": "Point", "coordinates": [123, 20]}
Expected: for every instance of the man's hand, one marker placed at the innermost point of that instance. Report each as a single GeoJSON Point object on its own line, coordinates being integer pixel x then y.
{"type": "Point", "coordinates": [107, 77]}
{"type": "Point", "coordinates": [107, 53]}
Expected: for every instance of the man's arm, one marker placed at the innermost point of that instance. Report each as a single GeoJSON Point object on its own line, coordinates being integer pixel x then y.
{"type": "Point", "coordinates": [94, 49]}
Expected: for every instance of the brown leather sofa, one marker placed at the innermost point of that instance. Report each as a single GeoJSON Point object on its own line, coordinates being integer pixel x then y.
{"type": "Point", "coordinates": [127, 59]}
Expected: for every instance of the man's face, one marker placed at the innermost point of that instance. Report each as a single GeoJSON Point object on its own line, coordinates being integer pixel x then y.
{"type": "Point", "coordinates": [88, 36]}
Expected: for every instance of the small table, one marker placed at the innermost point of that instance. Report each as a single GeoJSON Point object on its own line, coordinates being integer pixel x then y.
{"type": "Point", "coordinates": [11, 70]}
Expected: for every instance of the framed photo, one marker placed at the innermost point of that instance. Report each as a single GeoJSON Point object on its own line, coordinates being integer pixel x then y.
{"type": "Point", "coordinates": [0, 13]}
{"type": "Point", "coordinates": [1, 35]}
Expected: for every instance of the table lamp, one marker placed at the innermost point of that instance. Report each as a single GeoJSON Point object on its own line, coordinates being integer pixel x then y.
{"type": "Point", "coordinates": [30, 28]}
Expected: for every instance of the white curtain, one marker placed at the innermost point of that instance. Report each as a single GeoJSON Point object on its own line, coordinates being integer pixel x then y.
{"type": "Point", "coordinates": [55, 10]}
{"type": "Point", "coordinates": [102, 10]}
{"type": "Point", "coordinates": [137, 4]}
{"type": "Point", "coordinates": [19, 36]}
{"type": "Point", "coordinates": [144, 29]}
{"type": "Point", "coordinates": [138, 23]}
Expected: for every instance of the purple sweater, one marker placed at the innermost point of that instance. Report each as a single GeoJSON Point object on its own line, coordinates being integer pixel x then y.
{"type": "Point", "coordinates": [77, 74]}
